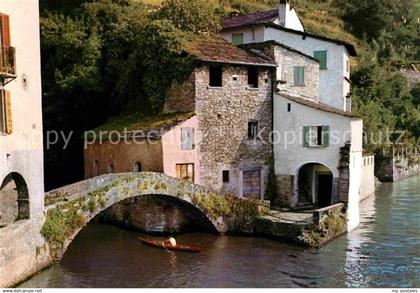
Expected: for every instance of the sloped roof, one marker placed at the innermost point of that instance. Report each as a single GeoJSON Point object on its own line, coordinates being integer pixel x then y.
{"type": "Point", "coordinates": [250, 18]}
{"type": "Point", "coordinates": [317, 105]}
{"type": "Point", "coordinates": [275, 43]}
{"type": "Point", "coordinates": [214, 48]}
{"type": "Point", "coordinates": [267, 18]}
{"type": "Point", "coordinates": [141, 126]}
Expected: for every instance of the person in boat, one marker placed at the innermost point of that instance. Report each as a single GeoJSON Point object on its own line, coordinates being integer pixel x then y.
{"type": "Point", "coordinates": [171, 241]}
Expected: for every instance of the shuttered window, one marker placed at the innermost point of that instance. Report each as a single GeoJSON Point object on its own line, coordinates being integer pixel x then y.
{"type": "Point", "coordinates": [6, 123]}
{"type": "Point", "coordinates": [185, 172]}
{"type": "Point", "coordinates": [316, 136]}
{"type": "Point", "coordinates": [299, 75]}
{"type": "Point", "coordinates": [187, 138]}
{"type": "Point", "coordinates": [238, 39]}
{"type": "Point", "coordinates": [321, 56]}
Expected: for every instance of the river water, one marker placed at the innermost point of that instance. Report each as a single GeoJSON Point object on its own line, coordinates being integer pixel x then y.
{"type": "Point", "coordinates": [383, 252]}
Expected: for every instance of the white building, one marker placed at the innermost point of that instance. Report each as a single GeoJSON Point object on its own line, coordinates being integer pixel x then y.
{"type": "Point", "coordinates": [21, 146]}
{"type": "Point", "coordinates": [334, 55]}
{"type": "Point", "coordinates": [317, 141]}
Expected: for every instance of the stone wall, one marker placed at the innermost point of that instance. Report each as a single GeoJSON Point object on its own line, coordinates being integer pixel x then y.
{"type": "Point", "coordinates": [123, 156]}
{"type": "Point", "coordinates": [285, 186]}
{"type": "Point", "coordinates": [223, 115]}
{"type": "Point", "coordinates": [287, 60]}
{"type": "Point", "coordinates": [394, 168]}
{"type": "Point", "coordinates": [151, 214]}
{"type": "Point", "coordinates": [413, 77]}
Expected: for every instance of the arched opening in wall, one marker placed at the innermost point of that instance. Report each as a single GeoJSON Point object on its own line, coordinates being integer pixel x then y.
{"type": "Point", "coordinates": [157, 214]}
{"type": "Point", "coordinates": [137, 167]}
{"type": "Point", "coordinates": [14, 199]}
{"type": "Point", "coordinates": [315, 185]}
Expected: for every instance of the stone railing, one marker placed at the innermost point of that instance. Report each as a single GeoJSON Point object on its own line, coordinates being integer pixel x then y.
{"type": "Point", "coordinates": [323, 213]}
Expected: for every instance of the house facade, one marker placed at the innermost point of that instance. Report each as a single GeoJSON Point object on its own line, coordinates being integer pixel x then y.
{"type": "Point", "coordinates": [317, 141]}
{"type": "Point", "coordinates": [333, 55]}
{"type": "Point", "coordinates": [21, 144]}
{"type": "Point", "coordinates": [226, 143]}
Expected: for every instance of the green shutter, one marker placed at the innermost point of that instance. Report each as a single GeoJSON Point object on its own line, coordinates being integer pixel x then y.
{"type": "Point", "coordinates": [238, 39]}
{"type": "Point", "coordinates": [325, 136]}
{"type": "Point", "coordinates": [306, 130]}
{"type": "Point", "coordinates": [299, 75]}
{"type": "Point", "coordinates": [321, 56]}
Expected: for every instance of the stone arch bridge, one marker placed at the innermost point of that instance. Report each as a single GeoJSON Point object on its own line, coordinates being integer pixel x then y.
{"type": "Point", "coordinates": [70, 208]}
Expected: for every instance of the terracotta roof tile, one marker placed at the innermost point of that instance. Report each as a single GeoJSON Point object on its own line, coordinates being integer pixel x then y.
{"type": "Point", "coordinates": [250, 18]}
{"type": "Point", "coordinates": [217, 49]}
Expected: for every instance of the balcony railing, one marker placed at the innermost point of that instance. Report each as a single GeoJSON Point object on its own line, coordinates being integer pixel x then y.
{"type": "Point", "coordinates": [8, 62]}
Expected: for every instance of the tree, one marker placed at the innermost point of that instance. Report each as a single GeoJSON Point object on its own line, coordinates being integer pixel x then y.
{"type": "Point", "coordinates": [194, 16]}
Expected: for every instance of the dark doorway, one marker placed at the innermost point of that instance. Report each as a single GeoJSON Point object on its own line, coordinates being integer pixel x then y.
{"type": "Point", "coordinates": [324, 189]}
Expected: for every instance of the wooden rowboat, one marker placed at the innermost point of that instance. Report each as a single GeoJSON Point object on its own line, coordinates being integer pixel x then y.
{"type": "Point", "coordinates": [166, 245]}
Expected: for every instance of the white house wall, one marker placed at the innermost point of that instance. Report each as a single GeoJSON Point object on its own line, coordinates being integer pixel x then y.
{"type": "Point", "coordinates": [22, 151]}
{"type": "Point", "coordinates": [332, 79]}
{"type": "Point", "coordinates": [251, 35]}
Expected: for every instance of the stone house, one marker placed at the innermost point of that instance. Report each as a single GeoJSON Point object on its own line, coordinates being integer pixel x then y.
{"type": "Point", "coordinates": [21, 145]}
{"type": "Point", "coordinates": [317, 141]}
{"type": "Point", "coordinates": [334, 55]}
{"type": "Point", "coordinates": [225, 144]}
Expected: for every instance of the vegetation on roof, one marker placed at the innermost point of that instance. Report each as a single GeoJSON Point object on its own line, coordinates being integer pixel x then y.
{"type": "Point", "coordinates": [141, 122]}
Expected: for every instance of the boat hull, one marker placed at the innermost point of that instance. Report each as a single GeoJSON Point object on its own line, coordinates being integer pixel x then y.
{"type": "Point", "coordinates": [165, 245]}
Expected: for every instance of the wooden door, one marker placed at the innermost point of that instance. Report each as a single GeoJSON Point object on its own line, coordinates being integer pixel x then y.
{"type": "Point", "coordinates": [251, 184]}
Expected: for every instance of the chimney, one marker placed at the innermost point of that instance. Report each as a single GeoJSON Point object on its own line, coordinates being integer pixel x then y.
{"type": "Point", "coordinates": [284, 8]}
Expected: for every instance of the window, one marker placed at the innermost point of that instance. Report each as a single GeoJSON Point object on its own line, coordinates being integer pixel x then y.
{"type": "Point", "coordinates": [111, 168]}
{"type": "Point", "coordinates": [187, 138]}
{"type": "Point", "coordinates": [96, 168]}
{"type": "Point", "coordinates": [253, 77]}
{"type": "Point", "coordinates": [237, 39]}
{"type": "Point", "coordinates": [289, 107]}
{"type": "Point", "coordinates": [348, 65]}
{"type": "Point", "coordinates": [6, 125]}
{"type": "Point", "coordinates": [225, 175]}
{"type": "Point", "coordinates": [185, 172]}
{"type": "Point", "coordinates": [215, 75]}
{"type": "Point", "coordinates": [321, 56]}
{"type": "Point", "coordinates": [299, 75]}
{"type": "Point", "coordinates": [252, 130]}
{"type": "Point", "coordinates": [316, 136]}
{"type": "Point", "coordinates": [137, 167]}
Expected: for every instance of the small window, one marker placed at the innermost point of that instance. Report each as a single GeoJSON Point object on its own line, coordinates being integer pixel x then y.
{"type": "Point", "coordinates": [316, 136]}
{"type": "Point", "coordinates": [237, 39]}
{"type": "Point", "coordinates": [185, 172]}
{"type": "Point", "coordinates": [348, 65]}
{"type": "Point", "coordinates": [225, 175]}
{"type": "Point", "coordinates": [216, 74]}
{"type": "Point", "coordinates": [299, 75]}
{"type": "Point", "coordinates": [253, 77]}
{"type": "Point", "coordinates": [253, 130]}
{"type": "Point", "coordinates": [289, 107]}
{"type": "Point", "coordinates": [187, 138]}
{"type": "Point", "coordinates": [137, 167]}
{"type": "Point", "coordinates": [111, 168]}
{"type": "Point", "coordinates": [321, 56]}
{"type": "Point", "coordinates": [96, 168]}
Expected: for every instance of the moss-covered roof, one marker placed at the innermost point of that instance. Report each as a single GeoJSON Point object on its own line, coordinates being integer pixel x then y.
{"type": "Point", "coordinates": [214, 48]}
{"type": "Point", "coordinates": [140, 125]}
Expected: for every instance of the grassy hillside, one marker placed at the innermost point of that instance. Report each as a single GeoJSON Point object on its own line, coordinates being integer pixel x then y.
{"type": "Point", "coordinates": [319, 17]}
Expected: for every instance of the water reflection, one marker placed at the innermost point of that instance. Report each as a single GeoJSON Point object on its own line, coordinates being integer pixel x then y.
{"type": "Point", "coordinates": [382, 252]}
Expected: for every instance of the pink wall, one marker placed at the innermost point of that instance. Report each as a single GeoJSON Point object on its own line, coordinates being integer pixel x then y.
{"type": "Point", "coordinates": [173, 154]}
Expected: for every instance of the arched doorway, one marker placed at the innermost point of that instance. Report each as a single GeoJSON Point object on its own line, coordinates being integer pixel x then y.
{"type": "Point", "coordinates": [14, 199]}
{"type": "Point", "coordinates": [315, 185]}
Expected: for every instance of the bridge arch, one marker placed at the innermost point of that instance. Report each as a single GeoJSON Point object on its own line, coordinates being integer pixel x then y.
{"type": "Point", "coordinates": [72, 207]}
{"type": "Point", "coordinates": [14, 199]}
